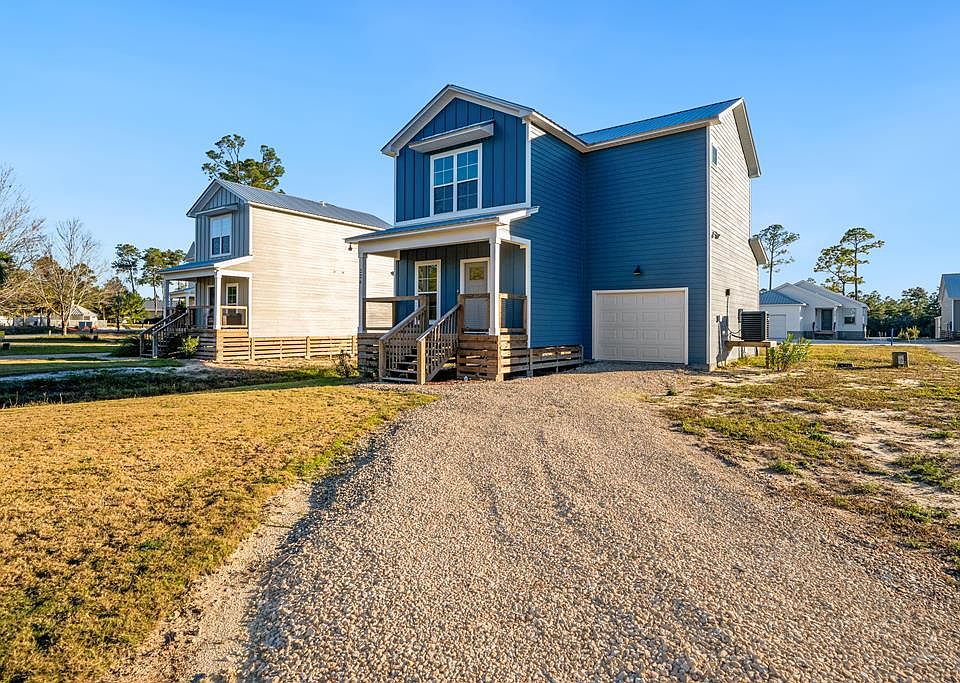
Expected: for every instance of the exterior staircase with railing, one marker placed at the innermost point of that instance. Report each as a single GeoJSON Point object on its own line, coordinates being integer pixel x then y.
{"type": "Point", "coordinates": [414, 351]}
{"type": "Point", "coordinates": [153, 340]}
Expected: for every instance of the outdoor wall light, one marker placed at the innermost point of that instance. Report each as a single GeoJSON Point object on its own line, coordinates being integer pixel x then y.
{"type": "Point", "coordinates": [637, 272]}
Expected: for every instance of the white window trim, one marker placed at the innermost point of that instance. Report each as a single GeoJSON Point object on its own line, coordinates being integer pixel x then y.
{"type": "Point", "coordinates": [714, 152]}
{"type": "Point", "coordinates": [236, 288]}
{"type": "Point", "coordinates": [468, 261]}
{"type": "Point", "coordinates": [230, 233]}
{"type": "Point", "coordinates": [416, 283]}
{"type": "Point", "coordinates": [454, 153]}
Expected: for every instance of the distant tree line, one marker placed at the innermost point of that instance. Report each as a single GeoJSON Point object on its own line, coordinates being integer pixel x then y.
{"type": "Point", "coordinates": [842, 265]}
{"type": "Point", "coordinates": [45, 273]}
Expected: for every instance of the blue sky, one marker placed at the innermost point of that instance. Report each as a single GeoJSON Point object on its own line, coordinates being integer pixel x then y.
{"type": "Point", "coordinates": [108, 108]}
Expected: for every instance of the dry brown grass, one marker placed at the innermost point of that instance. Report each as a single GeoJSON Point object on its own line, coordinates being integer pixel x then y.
{"type": "Point", "coordinates": [109, 510]}
{"type": "Point", "coordinates": [876, 440]}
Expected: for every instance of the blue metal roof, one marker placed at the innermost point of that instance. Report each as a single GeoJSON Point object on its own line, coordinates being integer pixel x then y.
{"type": "Point", "coordinates": [189, 265]}
{"type": "Point", "coordinates": [656, 123]}
{"type": "Point", "coordinates": [774, 297]}
{"type": "Point", "coordinates": [285, 201]}
{"type": "Point", "coordinates": [951, 284]}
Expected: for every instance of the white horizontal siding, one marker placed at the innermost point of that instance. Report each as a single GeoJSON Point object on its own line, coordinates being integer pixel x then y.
{"type": "Point", "coordinates": [305, 279]}
{"type": "Point", "coordinates": [732, 263]}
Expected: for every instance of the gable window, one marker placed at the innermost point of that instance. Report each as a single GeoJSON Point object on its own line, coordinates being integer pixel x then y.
{"type": "Point", "coordinates": [714, 155]}
{"type": "Point", "coordinates": [221, 228]}
{"type": "Point", "coordinates": [428, 283]}
{"type": "Point", "coordinates": [455, 181]}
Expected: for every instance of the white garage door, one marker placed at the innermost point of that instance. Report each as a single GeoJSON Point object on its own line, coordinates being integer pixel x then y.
{"type": "Point", "coordinates": [778, 326]}
{"type": "Point", "coordinates": [640, 325]}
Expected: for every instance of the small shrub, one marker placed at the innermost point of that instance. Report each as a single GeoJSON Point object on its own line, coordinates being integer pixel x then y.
{"type": "Point", "coordinates": [782, 466]}
{"type": "Point", "coordinates": [342, 365]}
{"type": "Point", "coordinates": [85, 337]}
{"type": "Point", "coordinates": [788, 353]}
{"type": "Point", "coordinates": [128, 347]}
{"type": "Point", "coordinates": [188, 346]}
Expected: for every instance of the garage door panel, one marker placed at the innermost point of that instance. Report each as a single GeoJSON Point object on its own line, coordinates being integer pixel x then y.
{"type": "Point", "coordinates": [648, 326]}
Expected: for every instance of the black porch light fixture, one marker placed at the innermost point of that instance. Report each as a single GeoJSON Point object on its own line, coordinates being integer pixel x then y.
{"type": "Point", "coordinates": [638, 271]}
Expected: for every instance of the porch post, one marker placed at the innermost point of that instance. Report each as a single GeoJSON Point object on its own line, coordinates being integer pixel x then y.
{"type": "Point", "coordinates": [216, 300]}
{"type": "Point", "coordinates": [166, 296]}
{"type": "Point", "coordinates": [246, 317]}
{"type": "Point", "coordinates": [362, 313]}
{"type": "Point", "coordinates": [494, 285]}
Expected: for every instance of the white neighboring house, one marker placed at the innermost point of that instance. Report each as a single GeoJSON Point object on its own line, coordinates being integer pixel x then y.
{"type": "Point", "coordinates": [949, 298]}
{"type": "Point", "coordinates": [785, 314]}
{"type": "Point", "coordinates": [805, 309]}
{"type": "Point", "coordinates": [81, 318]}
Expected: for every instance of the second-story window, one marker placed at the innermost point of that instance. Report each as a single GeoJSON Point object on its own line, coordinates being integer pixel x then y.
{"type": "Point", "coordinates": [455, 181]}
{"type": "Point", "coordinates": [220, 230]}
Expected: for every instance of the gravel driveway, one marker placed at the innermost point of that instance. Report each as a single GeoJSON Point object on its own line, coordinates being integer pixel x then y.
{"type": "Point", "coordinates": [556, 529]}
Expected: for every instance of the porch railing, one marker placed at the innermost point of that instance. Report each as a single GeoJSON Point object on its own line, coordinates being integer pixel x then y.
{"type": "Point", "coordinates": [437, 345]}
{"type": "Point", "coordinates": [157, 334]}
{"type": "Point", "coordinates": [384, 321]}
{"type": "Point", "coordinates": [512, 311]}
{"type": "Point", "coordinates": [202, 317]}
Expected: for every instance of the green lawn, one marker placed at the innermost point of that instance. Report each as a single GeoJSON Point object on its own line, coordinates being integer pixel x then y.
{"type": "Point", "coordinates": [46, 365]}
{"type": "Point", "coordinates": [109, 512]}
{"type": "Point", "coordinates": [35, 345]}
{"type": "Point", "coordinates": [877, 440]}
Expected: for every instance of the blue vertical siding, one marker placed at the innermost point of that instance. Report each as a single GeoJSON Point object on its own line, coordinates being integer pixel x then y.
{"type": "Point", "coordinates": [648, 207]}
{"type": "Point", "coordinates": [504, 160]}
{"type": "Point", "coordinates": [559, 314]}
{"type": "Point", "coordinates": [240, 239]}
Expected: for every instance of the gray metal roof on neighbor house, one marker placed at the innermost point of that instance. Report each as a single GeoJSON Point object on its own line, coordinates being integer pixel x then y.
{"type": "Point", "coordinates": [255, 195]}
{"type": "Point", "coordinates": [707, 111]}
{"type": "Point", "coordinates": [951, 285]}
{"type": "Point", "coordinates": [775, 298]}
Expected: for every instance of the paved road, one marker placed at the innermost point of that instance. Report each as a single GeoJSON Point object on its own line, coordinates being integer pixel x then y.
{"type": "Point", "coordinates": [555, 529]}
{"type": "Point", "coordinates": [951, 351]}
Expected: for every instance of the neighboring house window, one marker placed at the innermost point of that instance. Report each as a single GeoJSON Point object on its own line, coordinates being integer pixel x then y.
{"type": "Point", "coordinates": [220, 229]}
{"type": "Point", "coordinates": [428, 283]}
{"type": "Point", "coordinates": [232, 297]}
{"type": "Point", "coordinates": [455, 181]}
{"type": "Point", "coordinates": [849, 316]}
{"type": "Point", "coordinates": [714, 155]}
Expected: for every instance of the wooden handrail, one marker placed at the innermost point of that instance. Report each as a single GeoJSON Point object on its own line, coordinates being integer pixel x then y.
{"type": "Point", "coordinates": [389, 299]}
{"type": "Point", "coordinates": [437, 344]}
{"type": "Point", "coordinates": [401, 340]}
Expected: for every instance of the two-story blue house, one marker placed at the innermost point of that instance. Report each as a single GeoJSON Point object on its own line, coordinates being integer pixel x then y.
{"type": "Point", "coordinates": [519, 244]}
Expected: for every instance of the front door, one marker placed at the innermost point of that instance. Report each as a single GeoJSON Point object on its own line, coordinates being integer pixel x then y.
{"type": "Point", "coordinates": [476, 311]}
{"type": "Point", "coordinates": [826, 320]}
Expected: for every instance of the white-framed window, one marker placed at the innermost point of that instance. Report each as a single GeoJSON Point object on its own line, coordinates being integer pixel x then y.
{"type": "Point", "coordinates": [221, 228]}
{"type": "Point", "coordinates": [233, 291]}
{"type": "Point", "coordinates": [428, 283]}
{"type": "Point", "coordinates": [455, 180]}
{"type": "Point", "coordinates": [714, 155]}
{"type": "Point", "coordinates": [849, 316]}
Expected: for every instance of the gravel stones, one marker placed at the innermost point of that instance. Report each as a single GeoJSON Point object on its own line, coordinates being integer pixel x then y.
{"type": "Point", "coordinates": [556, 529]}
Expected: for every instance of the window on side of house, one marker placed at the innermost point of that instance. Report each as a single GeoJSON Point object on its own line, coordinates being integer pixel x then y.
{"type": "Point", "coordinates": [428, 283]}
{"type": "Point", "coordinates": [455, 181]}
{"type": "Point", "coordinates": [714, 155]}
{"type": "Point", "coordinates": [221, 228]}
{"type": "Point", "coordinates": [232, 295]}
{"type": "Point", "coordinates": [849, 316]}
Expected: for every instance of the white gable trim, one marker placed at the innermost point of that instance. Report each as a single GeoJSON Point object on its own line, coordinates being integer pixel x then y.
{"type": "Point", "coordinates": [208, 195]}
{"type": "Point", "coordinates": [441, 100]}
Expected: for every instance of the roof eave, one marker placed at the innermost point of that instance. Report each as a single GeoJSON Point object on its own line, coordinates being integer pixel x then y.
{"type": "Point", "coordinates": [501, 219]}
{"type": "Point", "coordinates": [316, 217]}
{"type": "Point", "coordinates": [746, 138]}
